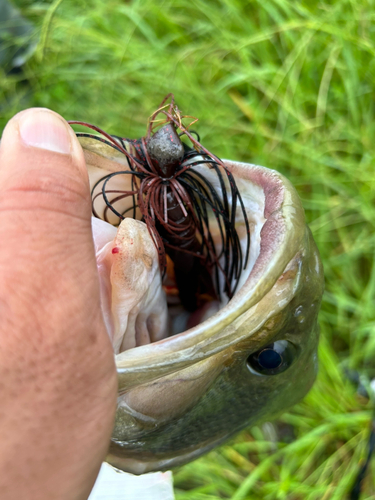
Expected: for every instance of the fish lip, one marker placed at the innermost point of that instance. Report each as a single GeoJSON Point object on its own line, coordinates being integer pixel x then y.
{"type": "Point", "coordinates": [139, 466]}
{"type": "Point", "coordinates": [281, 239]}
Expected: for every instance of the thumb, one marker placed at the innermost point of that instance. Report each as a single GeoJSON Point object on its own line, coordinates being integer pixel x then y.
{"type": "Point", "coordinates": [46, 249]}
{"type": "Point", "coordinates": [59, 399]}
{"type": "Point", "coordinates": [43, 178]}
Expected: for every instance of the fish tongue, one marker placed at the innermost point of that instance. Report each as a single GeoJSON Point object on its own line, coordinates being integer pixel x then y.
{"type": "Point", "coordinates": [133, 301]}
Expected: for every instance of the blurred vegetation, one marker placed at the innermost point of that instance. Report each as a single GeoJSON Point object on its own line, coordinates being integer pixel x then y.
{"type": "Point", "coordinates": [288, 85]}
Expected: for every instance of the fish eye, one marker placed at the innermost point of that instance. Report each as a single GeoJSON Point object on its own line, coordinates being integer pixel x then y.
{"type": "Point", "coordinates": [273, 358]}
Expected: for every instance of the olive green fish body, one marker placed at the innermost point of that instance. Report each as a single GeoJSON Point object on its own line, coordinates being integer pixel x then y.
{"type": "Point", "coordinates": [181, 396]}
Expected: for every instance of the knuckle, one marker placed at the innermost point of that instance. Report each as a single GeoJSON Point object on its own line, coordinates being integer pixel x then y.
{"type": "Point", "coordinates": [49, 190]}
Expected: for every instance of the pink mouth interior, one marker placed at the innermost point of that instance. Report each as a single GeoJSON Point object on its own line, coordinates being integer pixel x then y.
{"type": "Point", "coordinates": [262, 193]}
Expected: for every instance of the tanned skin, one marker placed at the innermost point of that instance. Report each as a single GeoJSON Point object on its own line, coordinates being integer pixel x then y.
{"type": "Point", "coordinates": [57, 372]}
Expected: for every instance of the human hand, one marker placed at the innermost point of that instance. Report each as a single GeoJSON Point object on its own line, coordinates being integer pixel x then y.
{"type": "Point", "coordinates": [57, 371]}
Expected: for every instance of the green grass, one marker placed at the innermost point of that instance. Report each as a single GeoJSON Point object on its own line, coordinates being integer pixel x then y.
{"type": "Point", "coordinates": [285, 84]}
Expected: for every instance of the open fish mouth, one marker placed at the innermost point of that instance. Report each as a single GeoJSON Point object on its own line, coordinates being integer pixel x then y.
{"type": "Point", "coordinates": [183, 395]}
{"type": "Point", "coordinates": [189, 379]}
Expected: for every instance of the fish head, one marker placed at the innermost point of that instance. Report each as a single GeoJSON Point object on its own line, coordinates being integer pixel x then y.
{"type": "Point", "coordinates": [255, 357]}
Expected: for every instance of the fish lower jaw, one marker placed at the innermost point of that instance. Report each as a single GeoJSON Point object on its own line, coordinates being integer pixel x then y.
{"type": "Point", "coordinates": [138, 466]}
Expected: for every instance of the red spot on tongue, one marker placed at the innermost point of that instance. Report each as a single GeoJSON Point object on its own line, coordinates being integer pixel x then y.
{"type": "Point", "coordinates": [115, 250]}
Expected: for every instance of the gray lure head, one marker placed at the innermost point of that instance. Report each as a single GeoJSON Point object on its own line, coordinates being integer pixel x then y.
{"type": "Point", "coordinates": [166, 150]}
{"type": "Point", "coordinates": [255, 357]}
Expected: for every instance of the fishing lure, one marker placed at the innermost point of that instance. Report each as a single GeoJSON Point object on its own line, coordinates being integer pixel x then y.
{"type": "Point", "coordinates": [171, 193]}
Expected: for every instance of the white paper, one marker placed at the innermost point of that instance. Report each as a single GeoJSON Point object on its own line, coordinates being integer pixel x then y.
{"type": "Point", "coordinates": [113, 484]}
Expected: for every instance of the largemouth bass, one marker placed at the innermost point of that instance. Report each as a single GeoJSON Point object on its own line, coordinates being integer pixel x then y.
{"type": "Point", "coordinates": [246, 361]}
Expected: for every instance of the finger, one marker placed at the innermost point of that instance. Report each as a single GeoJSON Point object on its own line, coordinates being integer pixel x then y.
{"type": "Point", "coordinates": [45, 213]}
{"type": "Point", "coordinates": [59, 398]}
{"type": "Point", "coordinates": [43, 180]}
